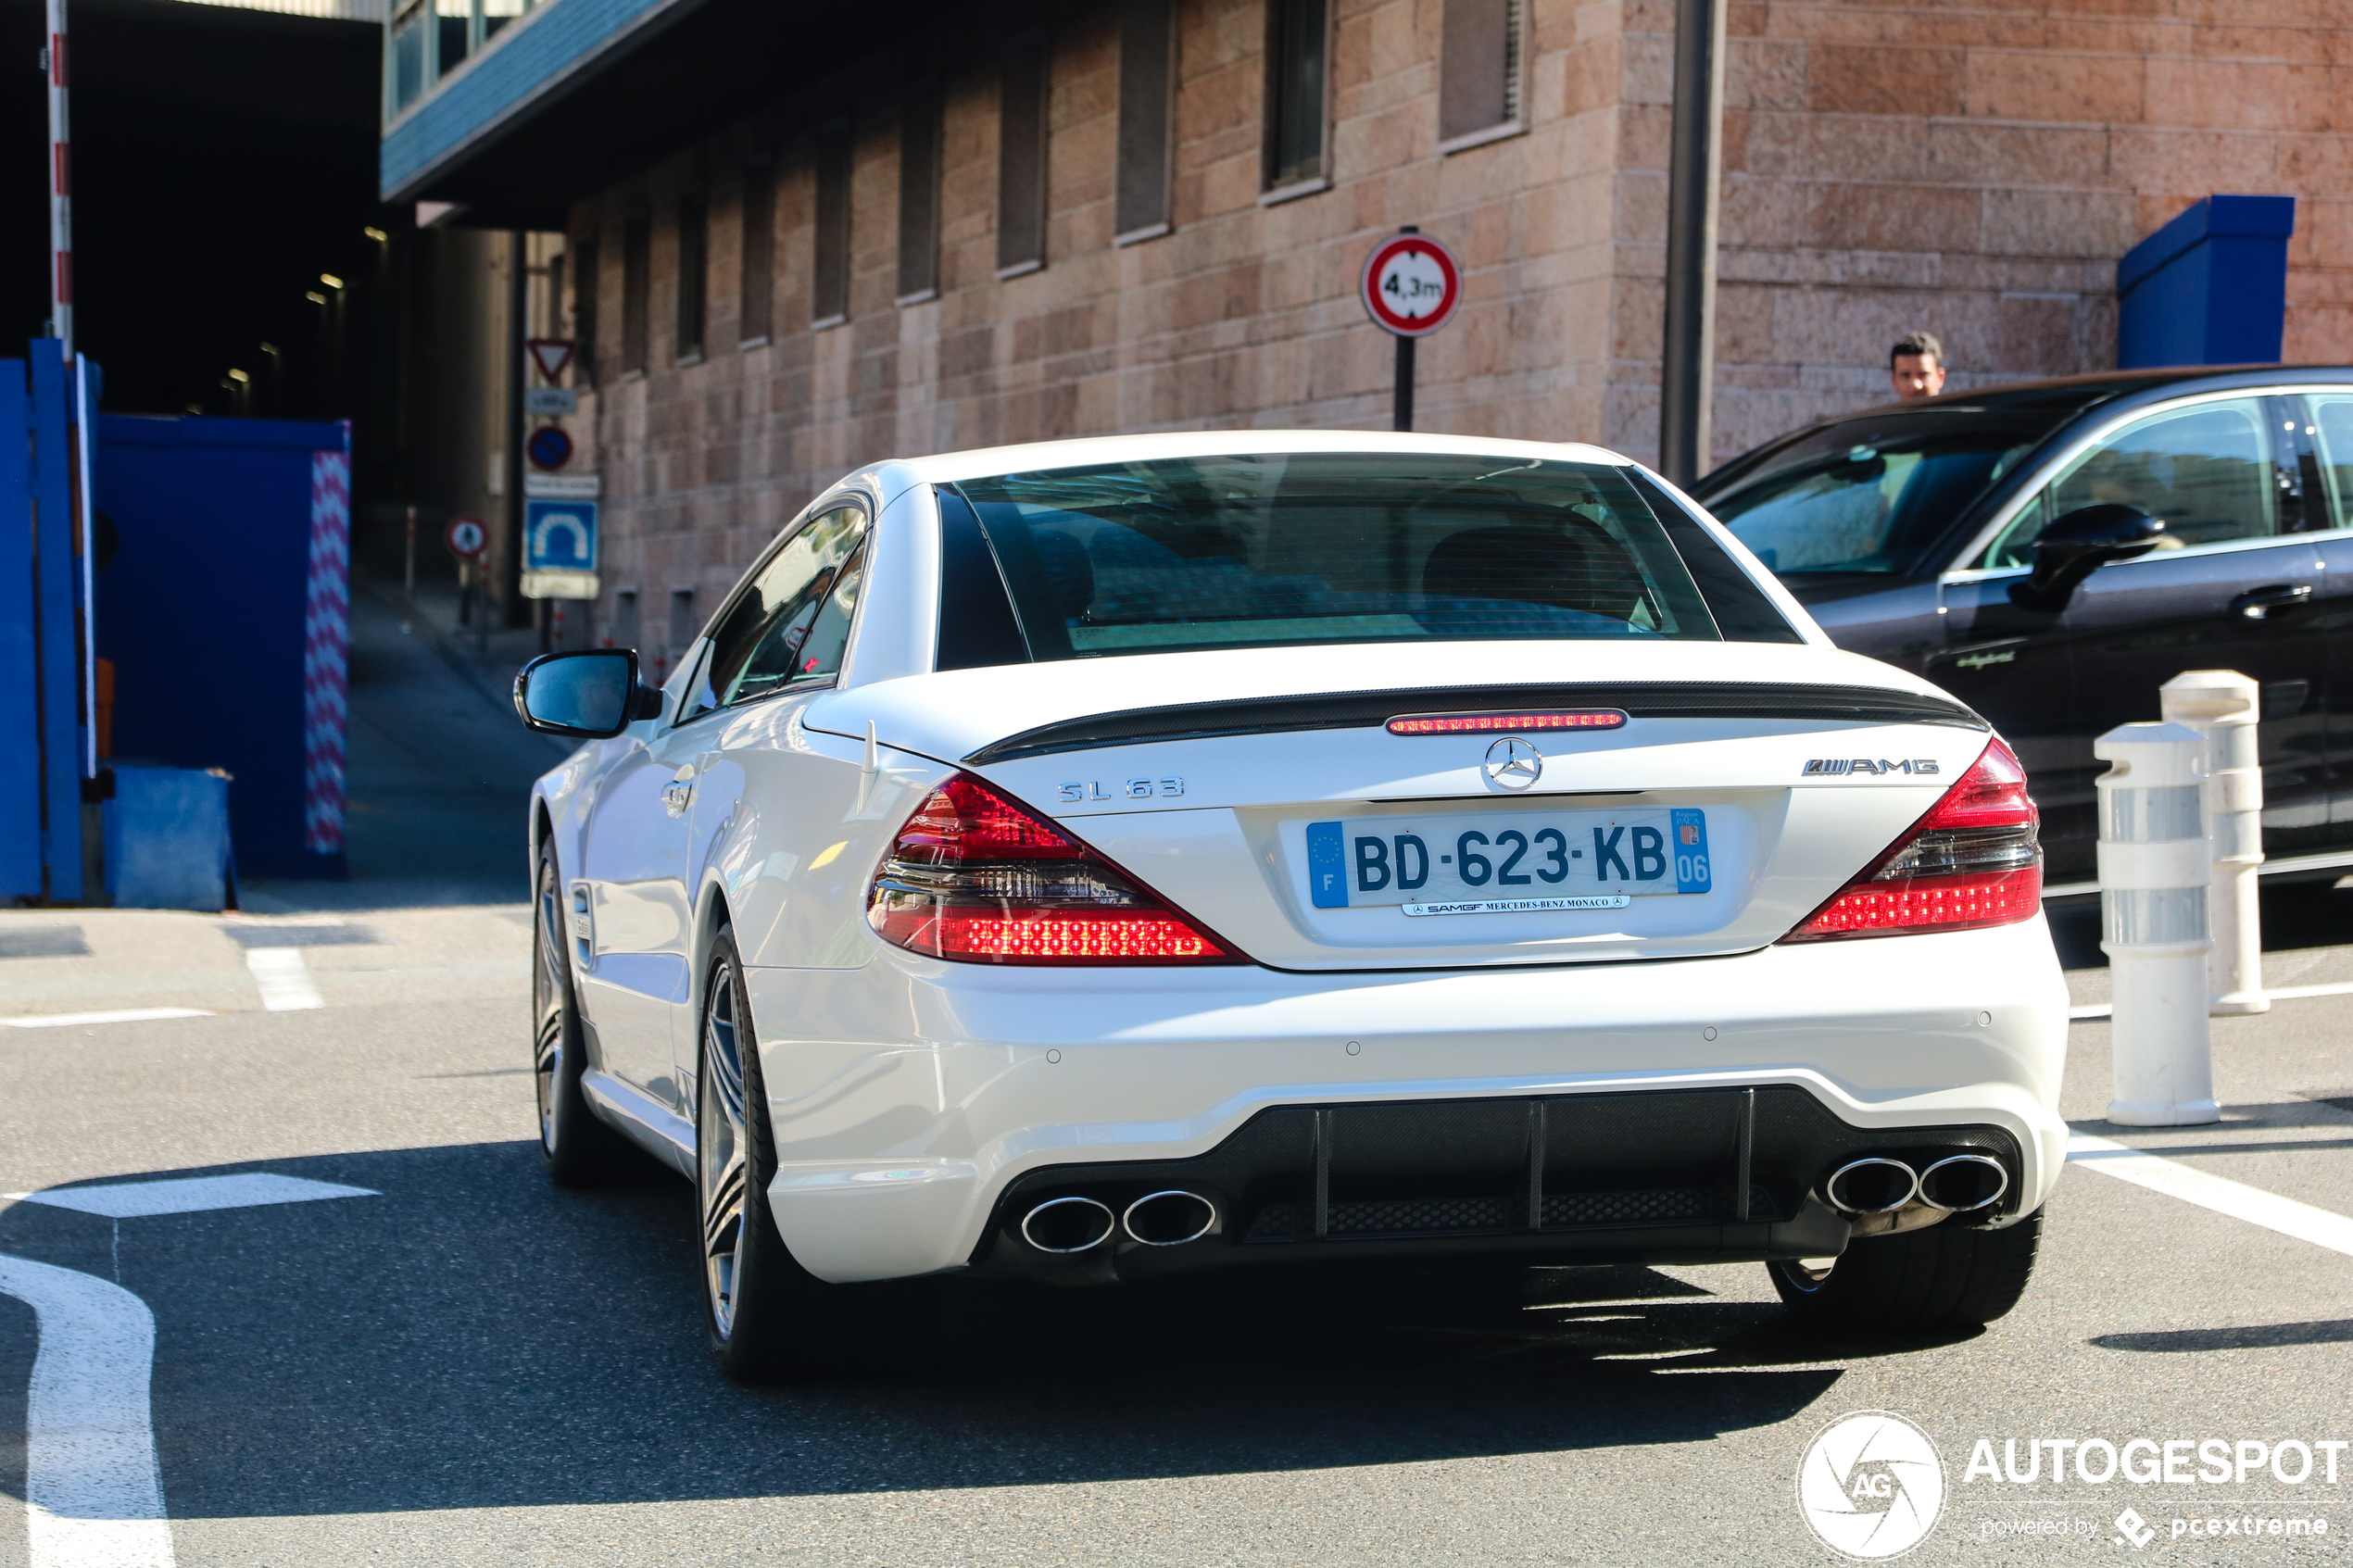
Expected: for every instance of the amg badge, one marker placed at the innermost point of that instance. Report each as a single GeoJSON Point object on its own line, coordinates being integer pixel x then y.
{"type": "Point", "coordinates": [1865, 765]}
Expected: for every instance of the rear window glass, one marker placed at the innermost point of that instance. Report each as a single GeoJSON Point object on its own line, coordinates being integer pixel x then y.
{"type": "Point", "coordinates": [1290, 549]}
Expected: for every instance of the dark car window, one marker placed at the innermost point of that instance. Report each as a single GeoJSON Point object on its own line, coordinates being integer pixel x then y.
{"type": "Point", "coordinates": [2206, 469]}
{"type": "Point", "coordinates": [2332, 424]}
{"type": "Point", "coordinates": [791, 622]}
{"type": "Point", "coordinates": [1873, 493]}
{"type": "Point", "coordinates": [1299, 548]}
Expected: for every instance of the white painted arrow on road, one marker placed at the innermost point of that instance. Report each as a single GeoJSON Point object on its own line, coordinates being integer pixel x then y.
{"type": "Point", "coordinates": [92, 1494]}
{"type": "Point", "coordinates": [93, 1497]}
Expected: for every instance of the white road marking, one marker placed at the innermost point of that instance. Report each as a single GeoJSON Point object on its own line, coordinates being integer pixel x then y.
{"type": "Point", "coordinates": [2323, 1227]}
{"type": "Point", "coordinates": [283, 978]}
{"type": "Point", "coordinates": [2277, 993]}
{"type": "Point", "coordinates": [121, 1015]}
{"type": "Point", "coordinates": [190, 1195]}
{"type": "Point", "coordinates": [2335, 988]}
{"type": "Point", "coordinates": [92, 1494]}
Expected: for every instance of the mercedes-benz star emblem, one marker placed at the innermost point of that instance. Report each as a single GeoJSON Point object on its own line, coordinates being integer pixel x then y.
{"type": "Point", "coordinates": [1513, 763]}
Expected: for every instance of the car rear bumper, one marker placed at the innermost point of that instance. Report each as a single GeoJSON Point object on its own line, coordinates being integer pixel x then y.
{"type": "Point", "coordinates": [915, 1141]}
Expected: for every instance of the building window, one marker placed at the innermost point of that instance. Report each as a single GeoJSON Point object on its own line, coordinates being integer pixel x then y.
{"type": "Point", "coordinates": [760, 254]}
{"type": "Point", "coordinates": [622, 631]}
{"type": "Point", "coordinates": [636, 247]}
{"type": "Point", "coordinates": [919, 196]}
{"type": "Point", "coordinates": [1479, 81]}
{"type": "Point", "coordinates": [1298, 61]}
{"type": "Point", "coordinates": [1021, 156]}
{"type": "Point", "coordinates": [409, 33]}
{"type": "Point", "coordinates": [1147, 121]}
{"type": "Point", "coordinates": [830, 276]}
{"type": "Point", "coordinates": [694, 274]}
{"type": "Point", "coordinates": [683, 624]}
{"type": "Point", "coordinates": [584, 312]}
{"type": "Point", "coordinates": [454, 32]}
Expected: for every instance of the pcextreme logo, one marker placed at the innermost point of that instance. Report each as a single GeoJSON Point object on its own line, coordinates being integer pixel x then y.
{"type": "Point", "coordinates": [1870, 1486]}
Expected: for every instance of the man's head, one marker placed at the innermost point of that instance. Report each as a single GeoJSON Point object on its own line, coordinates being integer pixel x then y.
{"type": "Point", "coordinates": [1916, 366]}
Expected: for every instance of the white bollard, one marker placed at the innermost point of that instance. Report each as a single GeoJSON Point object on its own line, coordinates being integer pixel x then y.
{"type": "Point", "coordinates": [2223, 706]}
{"type": "Point", "coordinates": [2155, 864]}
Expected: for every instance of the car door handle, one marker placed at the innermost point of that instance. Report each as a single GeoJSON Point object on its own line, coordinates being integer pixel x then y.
{"type": "Point", "coordinates": [2257, 603]}
{"type": "Point", "coordinates": [676, 798]}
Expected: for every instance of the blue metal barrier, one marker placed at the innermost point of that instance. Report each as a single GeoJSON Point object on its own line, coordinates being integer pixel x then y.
{"type": "Point", "coordinates": [224, 613]}
{"type": "Point", "coordinates": [46, 670]}
{"type": "Point", "coordinates": [2210, 288]}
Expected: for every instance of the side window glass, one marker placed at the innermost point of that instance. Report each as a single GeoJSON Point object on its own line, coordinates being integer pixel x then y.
{"type": "Point", "coordinates": [792, 621]}
{"type": "Point", "coordinates": [2332, 430]}
{"type": "Point", "coordinates": [2207, 470]}
{"type": "Point", "coordinates": [2015, 546]}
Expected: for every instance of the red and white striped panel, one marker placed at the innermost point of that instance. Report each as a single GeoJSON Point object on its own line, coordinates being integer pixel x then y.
{"type": "Point", "coordinates": [326, 632]}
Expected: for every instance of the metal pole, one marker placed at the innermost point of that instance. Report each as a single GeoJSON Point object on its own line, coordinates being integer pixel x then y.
{"type": "Point", "coordinates": [1401, 406]}
{"type": "Point", "coordinates": [60, 186]}
{"type": "Point", "coordinates": [1695, 171]}
{"type": "Point", "coordinates": [510, 569]}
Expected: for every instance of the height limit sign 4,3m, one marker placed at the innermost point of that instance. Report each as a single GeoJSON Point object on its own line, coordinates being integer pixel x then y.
{"type": "Point", "coordinates": [1411, 288]}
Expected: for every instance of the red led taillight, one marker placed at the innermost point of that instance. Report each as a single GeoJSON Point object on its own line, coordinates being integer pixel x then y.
{"type": "Point", "coordinates": [1972, 861]}
{"type": "Point", "coordinates": [1505, 723]}
{"type": "Point", "coordinates": [977, 877]}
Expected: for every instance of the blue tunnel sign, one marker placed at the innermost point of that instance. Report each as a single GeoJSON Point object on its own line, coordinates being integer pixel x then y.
{"type": "Point", "coordinates": [559, 549]}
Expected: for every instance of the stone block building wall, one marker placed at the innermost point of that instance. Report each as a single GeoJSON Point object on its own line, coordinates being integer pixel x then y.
{"type": "Point", "coordinates": [1975, 166]}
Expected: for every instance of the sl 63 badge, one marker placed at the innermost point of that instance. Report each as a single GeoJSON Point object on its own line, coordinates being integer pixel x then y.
{"type": "Point", "coordinates": [1829, 765]}
{"type": "Point", "coordinates": [1120, 789]}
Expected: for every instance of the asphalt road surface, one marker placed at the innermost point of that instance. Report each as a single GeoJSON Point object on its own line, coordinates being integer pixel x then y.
{"type": "Point", "coordinates": [457, 1363]}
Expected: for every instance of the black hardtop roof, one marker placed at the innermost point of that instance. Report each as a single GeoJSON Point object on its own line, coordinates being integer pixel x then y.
{"type": "Point", "coordinates": [2049, 404]}
{"type": "Point", "coordinates": [2071, 393]}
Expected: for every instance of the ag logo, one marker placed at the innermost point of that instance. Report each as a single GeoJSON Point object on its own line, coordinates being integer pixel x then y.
{"type": "Point", "coordinates": [1870, 1486]}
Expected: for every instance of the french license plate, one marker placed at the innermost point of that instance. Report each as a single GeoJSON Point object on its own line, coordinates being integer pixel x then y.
{"type": "Point", "coordinates": [1528, 861]}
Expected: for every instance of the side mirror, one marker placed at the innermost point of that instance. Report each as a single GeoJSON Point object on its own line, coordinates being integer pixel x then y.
{"type": "Point", "coordinates": [593, 694]}
{"type": "Point", "coordinates": [2079, 544]}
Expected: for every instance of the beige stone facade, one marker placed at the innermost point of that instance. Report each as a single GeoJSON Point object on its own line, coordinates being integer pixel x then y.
{"type": "Point", "coordinates": [1974, 167]}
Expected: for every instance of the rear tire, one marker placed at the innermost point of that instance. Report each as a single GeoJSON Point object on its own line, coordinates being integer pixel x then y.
{"type": "Point", "coordinates": [581, 1150]}
{"type": "Point", "coordinates": [1946, 1276]}
{"type": "Point", "coordinates": [767, 1318]}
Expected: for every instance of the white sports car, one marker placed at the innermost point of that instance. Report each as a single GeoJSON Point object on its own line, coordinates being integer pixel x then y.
{"type": "Point", "coordinates": [1116, 859]}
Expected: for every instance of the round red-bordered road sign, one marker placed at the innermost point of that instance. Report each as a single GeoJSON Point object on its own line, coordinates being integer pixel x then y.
{"type": "Point", "coordinates": [1411, 285]}
{"type": "Point", "coordinates": [466, 538]}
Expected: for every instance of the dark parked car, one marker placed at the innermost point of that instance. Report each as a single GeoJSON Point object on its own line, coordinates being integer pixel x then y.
{"type": "Point", "coordinates": [2051, 553]}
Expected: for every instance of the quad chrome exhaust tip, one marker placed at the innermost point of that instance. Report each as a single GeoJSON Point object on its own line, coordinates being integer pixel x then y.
{"type": "Point", "coordinates": [1071, 1223]}
{"type": "Point", "coordinates": [1964, 1184]}
{"type": "Point", "coordinates": [1067, 1224]}
{"type": "Point", "coordinates": [1872, 1185]}
{"type": "Point", "coordinates": [1169, 1219]}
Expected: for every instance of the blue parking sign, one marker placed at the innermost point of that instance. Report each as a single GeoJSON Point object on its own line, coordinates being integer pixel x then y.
{"type": "Point", "coordinates": [560, 535]}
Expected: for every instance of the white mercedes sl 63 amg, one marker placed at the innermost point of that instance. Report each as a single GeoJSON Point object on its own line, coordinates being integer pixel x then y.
{"type": "Point", "coordinates": [1120, 858]}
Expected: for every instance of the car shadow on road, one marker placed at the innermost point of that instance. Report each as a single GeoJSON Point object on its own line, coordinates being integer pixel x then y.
{"type": "Point", "coordinates": [475, 1337]}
